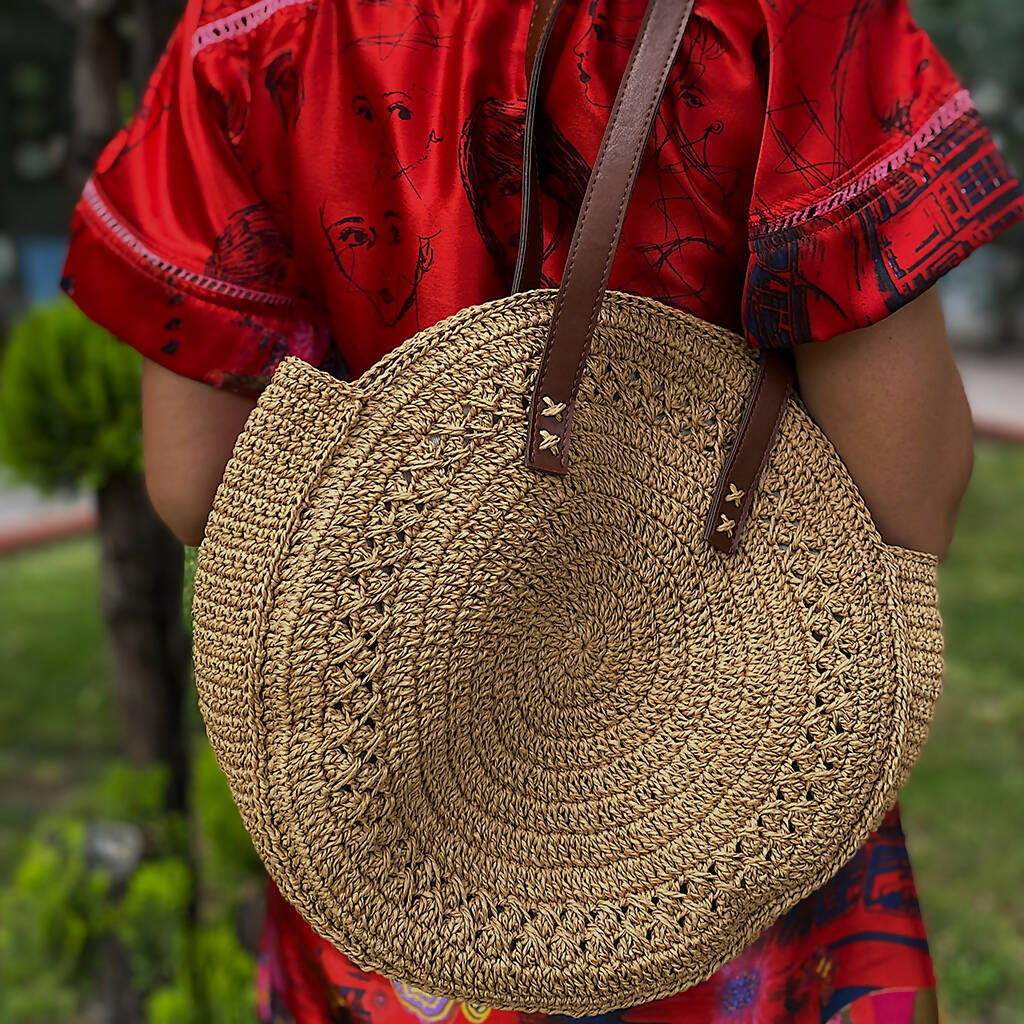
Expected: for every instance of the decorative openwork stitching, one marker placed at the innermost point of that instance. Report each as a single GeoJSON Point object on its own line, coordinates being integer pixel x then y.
{"type": "Point", "coordinates": [363, 575]}
{"type": "Point", "coordinates": [131, 241]}
{"type": "Point", "coordinates": [238, 24]}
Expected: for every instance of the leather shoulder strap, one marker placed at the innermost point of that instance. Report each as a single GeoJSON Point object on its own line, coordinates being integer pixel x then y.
{"type": "Point", "coordinates": [531, 232]}
{"type": "Point", "coordinates": [591, 253]}
{"type": "Point", "coordinates": [597, 232]}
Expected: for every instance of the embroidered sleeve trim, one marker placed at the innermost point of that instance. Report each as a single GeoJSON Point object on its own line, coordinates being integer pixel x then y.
{"type": "Point", "coordinates": [240, 23]}
{"type": "Point", "coordinates": [129, 240]}
{"type": "Point", "coordinates": [948, 114]}
{"type": "Point", "coordinates": [848, 264]}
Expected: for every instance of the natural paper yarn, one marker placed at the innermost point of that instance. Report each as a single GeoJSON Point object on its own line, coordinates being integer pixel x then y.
{"type": "Point", "coordinates": [527, 741]}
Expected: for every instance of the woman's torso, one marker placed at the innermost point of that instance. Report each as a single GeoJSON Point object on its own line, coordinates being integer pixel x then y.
{"type": "Point", "coordinates": [410, 210]}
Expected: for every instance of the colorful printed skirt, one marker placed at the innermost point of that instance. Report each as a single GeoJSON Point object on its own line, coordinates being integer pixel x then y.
{"type": "Point", "coordinates": [854, 952]}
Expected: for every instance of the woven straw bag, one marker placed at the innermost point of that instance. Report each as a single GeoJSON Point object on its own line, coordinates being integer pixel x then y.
{"type": "Point", "coordinates": [538, 732]}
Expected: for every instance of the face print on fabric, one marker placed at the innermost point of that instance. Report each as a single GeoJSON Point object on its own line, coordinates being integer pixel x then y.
{"type": "Point", "coordinates": [688, 127]}
{"type": "Point", "coordinates": [370, 241]}
{"type": "Point", "coordinates": [408, 127]}
{"type": "Point", "coordinates": [490, 164]}
{"type": "Point", "coordinates": [284, 82]}
{"type": "Point", "coordinates": [379, 257]}
{"type": "Point", "coordinates": [605, 46]}
{"type": "Point", "coordinates": [251, 251]}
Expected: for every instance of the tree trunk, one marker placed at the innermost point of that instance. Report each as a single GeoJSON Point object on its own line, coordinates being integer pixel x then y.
{"type": "Point", "coordinates": [94, 80]}
{"type": "Point", "coordinates": [143, 576]}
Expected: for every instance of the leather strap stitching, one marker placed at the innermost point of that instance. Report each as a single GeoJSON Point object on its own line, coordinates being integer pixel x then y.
{"type": "Point", "coordinates": [619, 219]}
{"type": "Point", "coordinates": [570, 264]}
{"type": "Point", "coordinates": [635, 56]}
{"type": "Point", "coordinates": [756, 398]}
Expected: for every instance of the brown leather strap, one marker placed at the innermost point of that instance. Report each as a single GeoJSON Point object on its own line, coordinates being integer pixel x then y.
{"type": "Point", "coordinates": [531, 230]}
{"type": "Point", "coordinates": [754, 440]}
{"type": "Point", "coordinates": [590, 258]}
{"type": "Point", "coordinates": [597, 233]}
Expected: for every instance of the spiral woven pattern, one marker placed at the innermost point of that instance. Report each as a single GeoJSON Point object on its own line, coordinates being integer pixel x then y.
{"type": "Point", "coordinates": [525, 740]}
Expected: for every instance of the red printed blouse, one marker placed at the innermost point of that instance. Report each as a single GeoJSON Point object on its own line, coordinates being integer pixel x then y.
{"type": "Point", "coordinates": [326, 177]}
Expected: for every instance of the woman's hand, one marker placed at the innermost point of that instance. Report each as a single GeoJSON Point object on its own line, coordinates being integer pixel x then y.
{"type": "Point", "coordinates": [189, 430]}
{"type": "Point", "coordinates": [890, 399]}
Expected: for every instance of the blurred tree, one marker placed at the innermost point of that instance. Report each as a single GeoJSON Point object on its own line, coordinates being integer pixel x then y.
{"type": "Point", "coordinates": [69, 416]}
{"type": "Point", "coordinates": [143, 562]}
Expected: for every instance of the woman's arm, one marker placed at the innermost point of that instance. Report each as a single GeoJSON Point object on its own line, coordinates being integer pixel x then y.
{"type": "Point", "coordinates": [890, 399]}
{"type": "Point", "coordinates": [188, 432]}
{"type": "Point", "coordinates": [888, 396]}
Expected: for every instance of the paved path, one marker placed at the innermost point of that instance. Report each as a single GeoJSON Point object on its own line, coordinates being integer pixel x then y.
{"type": "Point", "coordinates": [995, 390]}
{"type": "Point", "coordinates": [28, 518]}
{"type": "Point", "coordinates": [994, 386]}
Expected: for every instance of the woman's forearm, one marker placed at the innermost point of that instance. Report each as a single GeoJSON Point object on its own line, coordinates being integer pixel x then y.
{"type": "Point", "coordinates": [891, 400]}
{"type": "Point", "coordinates": [189, 430]}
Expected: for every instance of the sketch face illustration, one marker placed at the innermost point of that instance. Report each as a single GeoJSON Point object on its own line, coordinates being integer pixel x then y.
{"type": "Point", "coordinates": [380, 258]}
{"type": "Point", "coordinates": [373, 246]}
{"type": "Point", "coordinates": [593, 60]}
{"type": "Point", "coordinates": [491, 162]}
{"type": "Point", "coordinates": [685, 143]}
{"type": "Point", "coordinates": [408, 129]}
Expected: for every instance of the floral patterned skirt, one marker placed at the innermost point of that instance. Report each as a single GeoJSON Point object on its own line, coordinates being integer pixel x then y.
{"type": "Point", "coordinates": [853, 952]}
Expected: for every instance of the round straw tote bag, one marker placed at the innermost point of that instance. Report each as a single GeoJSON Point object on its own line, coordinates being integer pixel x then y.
{"type": "Point", "coordinates": [557, 656]}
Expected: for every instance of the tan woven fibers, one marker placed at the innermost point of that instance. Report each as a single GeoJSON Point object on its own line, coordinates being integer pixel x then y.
{"type": "Point", "coordinates": [525, 740]}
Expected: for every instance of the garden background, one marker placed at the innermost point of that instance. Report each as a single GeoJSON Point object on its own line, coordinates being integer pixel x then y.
{"type": "Point", "coordinates": [129, 891]}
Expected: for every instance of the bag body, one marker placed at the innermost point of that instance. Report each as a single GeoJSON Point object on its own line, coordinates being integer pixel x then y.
{"type": "Point", "coordinates": [556, 741]}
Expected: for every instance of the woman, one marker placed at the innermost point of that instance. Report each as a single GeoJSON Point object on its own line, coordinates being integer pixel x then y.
{"type": "Point", "coordinates": [326, 177]}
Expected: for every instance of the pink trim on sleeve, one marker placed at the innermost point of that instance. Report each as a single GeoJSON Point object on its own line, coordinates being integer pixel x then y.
{"type": "Point", "coordinates": [127, 238]}
{"type": "Point", "coordinates": [239, 23]}
{"type": "Point", "coordinates": [950, 112]}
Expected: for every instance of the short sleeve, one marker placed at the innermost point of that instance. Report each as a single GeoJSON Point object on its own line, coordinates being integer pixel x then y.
{"type": "Point", "coordinates": [179, 246]}
{"type": "Point", "coordinates": [875, 174]}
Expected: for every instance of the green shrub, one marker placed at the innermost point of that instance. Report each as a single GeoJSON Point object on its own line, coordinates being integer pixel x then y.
{"type": "Point", "coordinates": [152, 921]}
{"type": "Point", "coordinates": [222, 982]}
{"type": "Point", "coordinates": [69, 401]}
{"type": "Point", "coordinates": [51, 911]}
{"type": "Point", "coordinates": [58, 918]}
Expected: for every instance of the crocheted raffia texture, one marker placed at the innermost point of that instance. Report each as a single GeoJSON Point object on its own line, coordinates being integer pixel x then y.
{"type": "Point", "coordinates": [527, 740]}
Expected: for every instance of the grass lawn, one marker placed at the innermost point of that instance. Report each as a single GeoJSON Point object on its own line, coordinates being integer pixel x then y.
{"type": "Point", "coordinates": [963, 810]}
{"type": "Point", "coordinates": [58, 724]}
